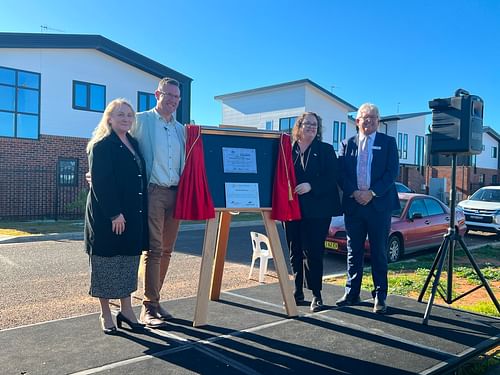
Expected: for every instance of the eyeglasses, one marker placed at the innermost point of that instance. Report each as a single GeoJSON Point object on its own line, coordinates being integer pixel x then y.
{"type": "Point", "coordinates": [369, 118]}
{"type": "Point", "coordinates": [309, 124]}
{"type": "Point", "coordinates": [171, 96]}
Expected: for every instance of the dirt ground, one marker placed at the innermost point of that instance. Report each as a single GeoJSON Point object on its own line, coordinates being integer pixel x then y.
{"type": "Point", "coordinates": [461, 286]}
{"type": "Point", "coordinates": [70, 296]}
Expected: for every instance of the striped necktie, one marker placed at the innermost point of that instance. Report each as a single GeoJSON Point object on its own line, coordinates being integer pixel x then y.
{"type": "Point", "coordinates": [363, 165]}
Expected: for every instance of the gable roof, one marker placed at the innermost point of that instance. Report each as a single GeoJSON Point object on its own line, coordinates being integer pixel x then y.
{"type": "Point", "coordinates": [404, 116]}
{"type": "Point", "coordinates": [97, 42]}
{"type": "Point", "coordinates": [287, 84]}
{"type": "Point", "coordinates": [492, 132]}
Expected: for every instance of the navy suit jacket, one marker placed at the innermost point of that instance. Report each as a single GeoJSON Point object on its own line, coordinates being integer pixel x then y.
{"type": "Point", "coordinates": [384, 171]}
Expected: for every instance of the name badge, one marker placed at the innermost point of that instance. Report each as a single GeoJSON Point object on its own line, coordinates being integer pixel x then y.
{"type": "Point", "coordinates": [376, 148]}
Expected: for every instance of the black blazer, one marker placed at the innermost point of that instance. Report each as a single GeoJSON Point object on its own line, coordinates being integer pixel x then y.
{"type": "Point", "coordinates": [384, 171]}
{"type": "Point", "coordinates": [118, 186]}
{"type": "Point", "coordinates": [322, 174]}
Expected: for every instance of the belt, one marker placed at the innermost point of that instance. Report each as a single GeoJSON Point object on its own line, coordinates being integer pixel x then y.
{"type": "Point", "coordinates": [172, 187]}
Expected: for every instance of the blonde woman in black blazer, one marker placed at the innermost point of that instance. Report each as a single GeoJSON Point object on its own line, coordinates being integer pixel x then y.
{"type": "Point", "coordinates": [116, 214]}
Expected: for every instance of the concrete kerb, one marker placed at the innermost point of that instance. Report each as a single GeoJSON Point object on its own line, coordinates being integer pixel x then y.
{"type": "Point", "coordinates": [78, 236]}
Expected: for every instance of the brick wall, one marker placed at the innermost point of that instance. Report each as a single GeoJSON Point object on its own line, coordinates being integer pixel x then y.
{"type": "Point", "coordinates": [416, 179]}
{"type": "Point", "coordinates": [467, 180]}
{"type": "Point", "coordinates": [28, 177]}
{"type": "Point", "coordinates": [41, 153]}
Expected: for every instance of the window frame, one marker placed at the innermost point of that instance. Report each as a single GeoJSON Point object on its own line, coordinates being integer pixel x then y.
{"type": "Point", "coordinates": [336, 135]}
{"type": "Point", "coordinates": [15, 111]}
{"type": "Point", "coordinates": [148, 100]}
{"type": "Point", "coordinates": [88, 93]}
{"type": "Point", "coordinates": [289, 120]}
{"type": "Point", "coordinates": [343, 130]}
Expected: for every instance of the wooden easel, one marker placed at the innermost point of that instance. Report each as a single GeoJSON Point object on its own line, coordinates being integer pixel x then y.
{"type": "Point", "coordinates": [212, 263]}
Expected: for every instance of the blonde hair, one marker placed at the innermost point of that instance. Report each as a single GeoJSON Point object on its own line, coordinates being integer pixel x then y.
{"type": "Point", "coordinates": [298, 125]}
{"type": "Point", "coordinates": [103, 128]}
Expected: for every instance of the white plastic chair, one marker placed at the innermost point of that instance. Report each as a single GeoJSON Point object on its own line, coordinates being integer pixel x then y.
{"type": "Point", "coordinates": [264, 254]}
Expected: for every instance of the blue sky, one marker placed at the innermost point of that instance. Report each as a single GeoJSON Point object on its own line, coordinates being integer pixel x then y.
{"type": "Point", "coordinates": [397, 54]}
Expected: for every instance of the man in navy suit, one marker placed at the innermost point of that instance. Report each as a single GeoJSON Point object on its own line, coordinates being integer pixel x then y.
{"type": "Point", "coordinates": [370, 165]}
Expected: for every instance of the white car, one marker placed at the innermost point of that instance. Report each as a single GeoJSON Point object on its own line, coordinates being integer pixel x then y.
{"type": "Point", "coordinates": [482, 210]}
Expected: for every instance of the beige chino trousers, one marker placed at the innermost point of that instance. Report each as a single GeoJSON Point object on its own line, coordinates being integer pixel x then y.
{"type": "Point", "coordinates": [163, 229]}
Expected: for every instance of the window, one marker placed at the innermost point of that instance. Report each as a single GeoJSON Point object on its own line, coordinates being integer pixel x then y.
{"type": "Point", "coordinates": [433, 207]}
{"type": "Point", "coordinates": [19, 103]}
{"type": "Point", "coordinates": [89, 96]}
{"type": "Point", "coordinates": [417, 206]}
{"type": "Point", "coordinates": [494, 179]}
{"type": "Point", "coordinates": [287, 123]}
{"type": "Point", "coordinates": [145, 101]}
{"type": "Point", "coordinates": [494, 152]}
{"type": "Point", "coordinates": [403, 145]}
{"type": "Point", "coordinates": [400, 144]}
{"type": "Point", "coordinates": [67, 172]}
{"type": "Point", "coordinates": [482, 178]}
{"type": "Point", "coordinates": [336, 135]}
{"type": "Point", "coordinates": [343, 127]}
{"type": "Point", "coordinates": [419, 150]}
{"type": "Point", "coordinates": [269, 125]}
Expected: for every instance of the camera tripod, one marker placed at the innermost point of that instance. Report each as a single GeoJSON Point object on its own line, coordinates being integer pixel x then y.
{"type": "Point", "coordinates": [447, 249]}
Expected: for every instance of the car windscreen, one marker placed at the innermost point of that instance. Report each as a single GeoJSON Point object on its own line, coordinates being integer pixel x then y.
{"type": "Point", "coordinates": [486, 195]}
{"type": "Point", "coordinates": [402, 204]}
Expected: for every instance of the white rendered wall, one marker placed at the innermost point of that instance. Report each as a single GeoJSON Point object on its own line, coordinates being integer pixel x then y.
{"type": "Point", "coordinates": [413, 126]}
{"type": "Point", "coordinates": [484, 159]}
{"type": "Point", "coordinates": [58, 69]}
{"type": "Point", "coordinates": [328, 109]}
{"type": "Point", "coordinates": [254, 109]}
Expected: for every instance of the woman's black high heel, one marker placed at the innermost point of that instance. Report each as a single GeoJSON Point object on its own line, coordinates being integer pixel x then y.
{"type": "Point", "coordinates": [107, 331]}
{"type": "Point", "coordinates": [135, 327]}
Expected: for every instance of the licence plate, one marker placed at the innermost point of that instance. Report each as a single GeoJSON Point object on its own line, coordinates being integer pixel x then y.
{"type": "Point", "coordinates": [476, 217]}
{"type": "Point", "coordinates": [331, 245]}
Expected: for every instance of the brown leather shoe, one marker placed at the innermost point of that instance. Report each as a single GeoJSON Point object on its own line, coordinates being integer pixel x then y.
{"type": "Point", "coordinates": [163, 314]}
{"type": "Point", "coordinates": [149, 316]}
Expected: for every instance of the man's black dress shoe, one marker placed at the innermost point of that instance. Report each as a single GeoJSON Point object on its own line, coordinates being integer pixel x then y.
{"type": "Point", "coordinates": [347, 300]}
{"type": "Point", "coordinates": [379, 306]}
{"type": "Point", "coordinates": [316, 304]}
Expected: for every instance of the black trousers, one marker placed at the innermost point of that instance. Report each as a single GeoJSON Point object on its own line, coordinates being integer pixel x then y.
{"type": "Point", "coordinates": [306, 242]}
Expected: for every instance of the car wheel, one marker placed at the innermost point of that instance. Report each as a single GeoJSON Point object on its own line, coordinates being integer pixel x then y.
{"type": "Point", "coordinates": [394, 249]}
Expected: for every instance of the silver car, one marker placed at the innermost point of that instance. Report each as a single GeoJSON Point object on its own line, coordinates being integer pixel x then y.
{"type": "Point", "coordinates": [482, 210]}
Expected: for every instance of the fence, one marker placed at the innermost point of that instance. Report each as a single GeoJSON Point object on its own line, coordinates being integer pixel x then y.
{"type": "Point", "coordinates": [27, 194]}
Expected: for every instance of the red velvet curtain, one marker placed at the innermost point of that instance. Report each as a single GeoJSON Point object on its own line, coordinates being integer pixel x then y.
{"type": "Point", "coordinates": [194, 201]}
{"type": "Point", "coordinates": [285, 201]}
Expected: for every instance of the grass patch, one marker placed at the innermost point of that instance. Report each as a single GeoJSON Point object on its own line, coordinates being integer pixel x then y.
{"type": "Point", "coordinates": [407, 279]}
{"type": "Point", "coordinates": [26, 228]}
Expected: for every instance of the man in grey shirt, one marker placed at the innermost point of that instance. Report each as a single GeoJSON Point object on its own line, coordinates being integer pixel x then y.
{"type": "Point", "coordinates": [162, 141]}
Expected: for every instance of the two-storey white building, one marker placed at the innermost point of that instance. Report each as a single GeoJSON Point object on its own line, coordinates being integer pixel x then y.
{"type": "Point", "coordinates": [276, 107]}
{"type": "Point", "coordinates": [53, 91]}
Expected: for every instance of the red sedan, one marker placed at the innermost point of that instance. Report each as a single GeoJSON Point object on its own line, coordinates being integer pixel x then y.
{"type": "Point", "coordinates": [419, 224]}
